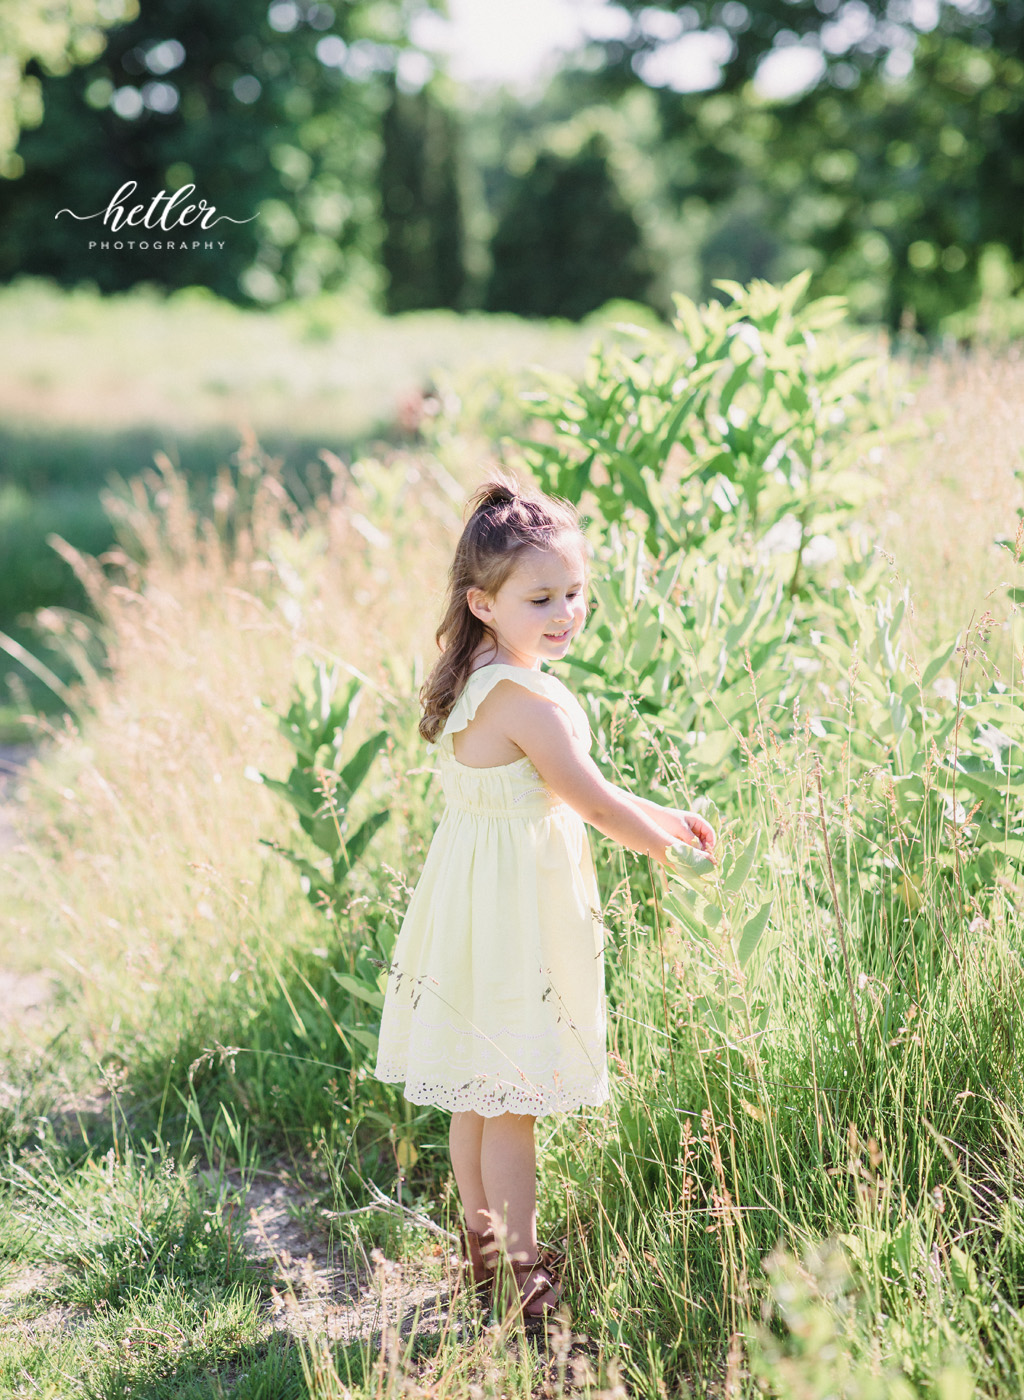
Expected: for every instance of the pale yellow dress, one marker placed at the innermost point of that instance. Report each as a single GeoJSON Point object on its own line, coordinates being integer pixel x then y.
{"type": "Point", "coordinates": [495, 995]}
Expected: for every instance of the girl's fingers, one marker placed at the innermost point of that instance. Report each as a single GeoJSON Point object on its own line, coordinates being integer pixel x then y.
{"type": "Point", "coordinates": [702, 830]}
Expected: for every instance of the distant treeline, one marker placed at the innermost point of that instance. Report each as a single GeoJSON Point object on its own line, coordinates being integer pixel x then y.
{"type": "Point", "coordinates": [896, 175]}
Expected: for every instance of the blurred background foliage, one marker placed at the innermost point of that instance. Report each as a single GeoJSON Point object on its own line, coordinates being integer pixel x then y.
{"type": "Point", "coordinates": [876, 142]}
{"type": "Point", "coordinates": [408, 235]}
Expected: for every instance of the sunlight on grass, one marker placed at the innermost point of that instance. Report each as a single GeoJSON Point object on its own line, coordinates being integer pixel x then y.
{"type": "Point", "coordinates": [324, 368]}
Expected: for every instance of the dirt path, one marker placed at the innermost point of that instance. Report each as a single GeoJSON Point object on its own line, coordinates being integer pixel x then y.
{"type": "Point", "coordinates": [24, 996]}
{"type": "Point", "coordinates": [327, 1292]}
{"type": "Point", "coordinates": [320, 1291]}
{"type": "Point", "coordinates": [13, 758]}
{"type": "Point", "coordinates": [394, 1316]}
{"type": "Point", "coordinates": [333, 1296]}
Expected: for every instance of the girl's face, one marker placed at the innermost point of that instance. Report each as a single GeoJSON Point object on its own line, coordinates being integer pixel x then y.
{"type": "Point", "coordinates": [538, 609]}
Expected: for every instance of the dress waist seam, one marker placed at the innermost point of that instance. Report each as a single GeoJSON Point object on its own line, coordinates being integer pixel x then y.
{"type": "Point", "coordinates": [453, 804]}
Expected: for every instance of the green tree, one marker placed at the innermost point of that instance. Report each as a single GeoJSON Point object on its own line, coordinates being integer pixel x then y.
{"type": "Point", "coordinates": [890, 190]}
{"type": "Point", "coordinates": [567, 241]}
{"type": "Point", "coordinates": [50, 37]}
{"type": "Point", "coordinates": [422, 250]}
{"type": "Point", "coordinates": [889, 175]}
{"type": "Point", "coordinates": [270, 112]}
{"type": "Point", "coordinates": [850, 38]}
{"type": "Point", "coordinates": [913, 179]}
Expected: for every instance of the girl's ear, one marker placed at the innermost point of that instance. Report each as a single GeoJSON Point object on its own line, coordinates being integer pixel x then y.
{"type": "Point", "coordinates": [478, 603]}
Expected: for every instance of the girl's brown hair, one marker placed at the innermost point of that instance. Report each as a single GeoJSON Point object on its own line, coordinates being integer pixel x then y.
{"type": "Point", "coordinates": [504, 521]}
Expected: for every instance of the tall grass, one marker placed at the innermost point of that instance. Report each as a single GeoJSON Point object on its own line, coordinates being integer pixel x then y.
{"type": "Point", "coordinates": [144, 857]}
{"type": "Point", "coordinates": [837, 1193]}
{"type": "Point", "coordinates": [953, 487]}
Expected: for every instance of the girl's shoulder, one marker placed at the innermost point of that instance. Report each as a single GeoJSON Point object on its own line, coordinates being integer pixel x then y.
{"type": "Point", "coordinates": [482, 681]}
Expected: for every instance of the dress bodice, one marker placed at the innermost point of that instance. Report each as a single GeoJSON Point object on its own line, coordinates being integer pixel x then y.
{"type": "Point", "coordinates": [511, 789]}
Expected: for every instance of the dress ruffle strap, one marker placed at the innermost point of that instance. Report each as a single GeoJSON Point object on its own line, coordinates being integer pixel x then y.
{"type": "Point", "coordinates": [482, 681]}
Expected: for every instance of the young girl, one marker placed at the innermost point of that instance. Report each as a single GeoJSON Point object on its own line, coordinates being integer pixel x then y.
{"type": "Point", "coordinates": [495, 1003]}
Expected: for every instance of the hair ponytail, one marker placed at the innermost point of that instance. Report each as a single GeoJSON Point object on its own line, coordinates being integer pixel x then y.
{"type": "Point", "coordinates": [500, 492]}
{"type": "Point", "coordinates": [504, 519]}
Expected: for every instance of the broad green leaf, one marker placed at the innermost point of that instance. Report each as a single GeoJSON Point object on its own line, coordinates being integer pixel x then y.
{"type": "Point", "coordinates": [368, 1039]}
{"type": "Point", "coordinates": [352, 775]}
{"type": "Point", "coordinates": [688, 321]}
{"type": "Point", "coordinates": [647, 642]}
{"type": "Point", "coordinates": [359, 989]}
{"type": "Point", "coordinates": [324, 831]}
{"type": "Point", "coordinates": [963, 1272]}
{"type": "Point", "coordinates": [357, 843]}
{"type": "Point", "coordinates": [674, 623]}
{"type": "Point", "coordinates": [997, 710]}
{"type": "Point", "coordinates": [592, 668]}
{"type": "Point", "coordinates": [713, 749]}
{"type": "Point", "coordinates": [792, 291]}
{"type": "Point", "coordinates": [340, 712]}
{"type": "Point", "coordinates": [735, 289]}
{"type": "Point", "coordinates": [851, 378]}
{"type": "Point", "coordinates": [987, 782]}
{"type": "Point", "coordinates": [692, 910]}
{"type": "Point", "coordinates": [304, 802]}
{"type": "Point", "coordinates": [690, 860]}
{"type": "Point", "coordinates": [741, 866]}
{"type": "Point", "coordinates": [752, 932]}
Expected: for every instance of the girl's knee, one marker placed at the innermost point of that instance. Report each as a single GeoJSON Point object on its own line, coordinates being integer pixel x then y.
{"type": "Point", "coordinates": [511, 1123]}
{"type": "Point", "coordinates": [466, 1116]}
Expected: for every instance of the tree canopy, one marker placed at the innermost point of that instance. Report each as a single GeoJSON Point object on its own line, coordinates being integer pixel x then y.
{"type": "Point", "coordinates": [567, 241]}
{"type": "Point", "coordinates": [271, 112]}
{"type": "Point", "coordinates": [51, 38]}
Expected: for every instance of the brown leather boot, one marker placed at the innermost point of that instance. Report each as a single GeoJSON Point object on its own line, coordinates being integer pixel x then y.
{"type": "Point", "coordinates": [531, 1289]}
{"type": "Point", "coordinates": [479, 1258]}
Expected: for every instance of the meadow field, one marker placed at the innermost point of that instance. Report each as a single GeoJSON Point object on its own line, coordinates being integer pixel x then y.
{"type": "Point", "coordinates": [92, 387]}
{"type": "Point", "coordinates": [807, 578]}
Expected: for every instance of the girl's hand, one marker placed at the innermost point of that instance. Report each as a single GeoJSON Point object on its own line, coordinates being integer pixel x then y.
{"type": "Point", "coordinates": [689, 861]}
{"type": "Point", "coordinates": [689, 827]}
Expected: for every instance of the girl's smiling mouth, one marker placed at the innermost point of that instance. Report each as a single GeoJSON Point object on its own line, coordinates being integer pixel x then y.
{"type": "Point", "coordinates": [557, 636]}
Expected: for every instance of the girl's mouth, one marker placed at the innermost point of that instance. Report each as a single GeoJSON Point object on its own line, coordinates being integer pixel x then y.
{"type": "Point", "coordinates": [557, 636]}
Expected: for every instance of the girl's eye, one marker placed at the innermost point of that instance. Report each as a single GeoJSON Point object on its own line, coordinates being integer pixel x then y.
{"type": "Point", "coordinates": [538, 602]}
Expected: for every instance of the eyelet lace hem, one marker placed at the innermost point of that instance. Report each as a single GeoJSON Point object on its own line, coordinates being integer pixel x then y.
{"type": "Point", "coordinates": [490, 1096]}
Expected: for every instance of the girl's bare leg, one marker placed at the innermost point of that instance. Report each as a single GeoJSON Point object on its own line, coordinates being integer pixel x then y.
{"type": "Point", "coordinates": [508, 1163]}
{"type": "Point", "coordinates": [465, 1137]}
{"type": "Point", "coordinates": [508, 1167]}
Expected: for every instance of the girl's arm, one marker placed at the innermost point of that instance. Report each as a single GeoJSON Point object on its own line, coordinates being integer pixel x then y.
{"type": "Point", "coordinates": [542, 730]}
{"type": "Point", "coordinates": [683, 826]}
